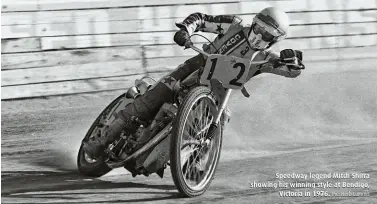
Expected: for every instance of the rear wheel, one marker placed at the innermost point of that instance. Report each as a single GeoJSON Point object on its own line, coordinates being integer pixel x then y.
{"type": "Point", "coordinates": [193, 163]}
{"type": "Point", "coordinates": [97, 167]}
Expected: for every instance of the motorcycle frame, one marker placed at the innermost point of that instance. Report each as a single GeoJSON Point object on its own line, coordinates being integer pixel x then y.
{"type": "Point", "coordinates": [167, 130]}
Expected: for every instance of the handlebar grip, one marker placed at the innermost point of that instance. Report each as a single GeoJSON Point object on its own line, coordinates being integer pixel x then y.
{"type": "Point", "coordinates": [188, 44]}
{"type": "Point", "coordinates": [294, 65]}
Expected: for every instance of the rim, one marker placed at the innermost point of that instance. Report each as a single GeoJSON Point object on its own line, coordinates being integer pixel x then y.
{"type": "Point", "coordinates": [197, 159]}
{"type": "Point", "coordinates": [97, 166]}
{"type": "Point", "coordinates": [97, 130]}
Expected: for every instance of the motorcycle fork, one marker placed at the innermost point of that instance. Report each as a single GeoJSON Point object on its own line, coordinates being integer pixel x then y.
{"type": "Point", "coordinates": [213, 127]}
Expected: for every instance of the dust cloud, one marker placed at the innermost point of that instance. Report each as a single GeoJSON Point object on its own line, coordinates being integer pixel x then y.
{"type": "Point", "coordinates": [329, 108]}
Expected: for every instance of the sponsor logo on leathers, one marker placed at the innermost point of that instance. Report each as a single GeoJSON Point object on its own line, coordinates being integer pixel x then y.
{"type": "Point", "coordinates": [231, 43]}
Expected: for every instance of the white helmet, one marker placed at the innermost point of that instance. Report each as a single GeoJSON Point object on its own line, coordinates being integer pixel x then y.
{"type": "Point", "coordinates": [269, 26]}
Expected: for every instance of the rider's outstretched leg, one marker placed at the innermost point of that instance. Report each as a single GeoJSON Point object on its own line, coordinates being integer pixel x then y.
{"type": "Point", "coordinates": [145, 107]}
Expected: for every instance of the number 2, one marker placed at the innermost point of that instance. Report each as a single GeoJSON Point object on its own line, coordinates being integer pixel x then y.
{"type": "Point", "coordinates": [234, 81]}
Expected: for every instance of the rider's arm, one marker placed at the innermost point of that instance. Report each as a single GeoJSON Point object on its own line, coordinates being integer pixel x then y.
{"type": "Point", "coordinates": [208, 23]}
{"type": "Point", "coordinates": [280, 70]}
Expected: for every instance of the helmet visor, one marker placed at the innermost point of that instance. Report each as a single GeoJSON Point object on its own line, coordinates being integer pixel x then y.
{"type": "Point", "coordinates": [266, 36]}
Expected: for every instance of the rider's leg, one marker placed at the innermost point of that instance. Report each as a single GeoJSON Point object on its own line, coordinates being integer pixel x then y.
{"type": "Point", "coordinates": [145, 106]}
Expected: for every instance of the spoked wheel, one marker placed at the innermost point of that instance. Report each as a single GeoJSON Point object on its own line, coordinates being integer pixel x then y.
{"type": "Point", "coordinates": [96, 167]}
{"type": "Point", "coordinates": [193, 162]}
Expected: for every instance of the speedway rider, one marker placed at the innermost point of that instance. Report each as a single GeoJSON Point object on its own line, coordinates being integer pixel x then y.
{"type": "Point", "coordinates": [268, 27]}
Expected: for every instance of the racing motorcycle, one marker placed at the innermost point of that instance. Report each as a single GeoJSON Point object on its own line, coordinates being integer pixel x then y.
{"type": "Point", "coordinates": [185, 135]}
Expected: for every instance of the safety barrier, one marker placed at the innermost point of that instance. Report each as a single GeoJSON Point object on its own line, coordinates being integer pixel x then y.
{"type": "Point", "coordinates": [81, 46]}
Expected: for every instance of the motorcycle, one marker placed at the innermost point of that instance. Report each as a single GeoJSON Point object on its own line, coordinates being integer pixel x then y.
{"type": "Point", "coordinates": [185, 135]}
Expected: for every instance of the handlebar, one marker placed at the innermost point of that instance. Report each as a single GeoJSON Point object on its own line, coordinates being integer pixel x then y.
{"type": "Point", "coordinates": [192, 46]}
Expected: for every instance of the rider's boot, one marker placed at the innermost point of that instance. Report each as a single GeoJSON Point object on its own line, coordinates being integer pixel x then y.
{"type": "Point", "coordinates": [97, 144]}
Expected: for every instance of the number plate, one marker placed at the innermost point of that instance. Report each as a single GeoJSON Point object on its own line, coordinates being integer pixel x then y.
{"type": "Point", "coordinates": [231, 71]}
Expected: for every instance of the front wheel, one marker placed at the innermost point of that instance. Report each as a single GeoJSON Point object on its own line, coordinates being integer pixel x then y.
{"type": "Point", "coordinates": [97, 167]}
{"type": "Point", "coordinates": [193, 163]}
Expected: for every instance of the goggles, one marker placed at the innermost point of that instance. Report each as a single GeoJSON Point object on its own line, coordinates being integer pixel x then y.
{"type": "Point", "coordinates": [268, 32]}
{"type": "Point", "coordinates": [266, 36]}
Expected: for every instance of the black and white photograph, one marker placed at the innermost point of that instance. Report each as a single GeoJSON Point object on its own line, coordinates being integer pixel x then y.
{"type": "Point", "coordinates": [189, 101]}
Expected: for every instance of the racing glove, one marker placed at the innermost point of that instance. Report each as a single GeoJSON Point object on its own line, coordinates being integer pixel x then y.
{"type": "Point", "coordinates": [181, 37]}
{"type": "Point", "coordinates": [289, 56]}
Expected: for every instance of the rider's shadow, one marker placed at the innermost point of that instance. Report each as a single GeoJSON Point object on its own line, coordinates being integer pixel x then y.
{"type": "Point", "coordinates": [70, 187]}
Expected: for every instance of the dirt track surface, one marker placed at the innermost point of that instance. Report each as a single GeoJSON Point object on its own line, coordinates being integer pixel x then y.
{"type": "Point", "coordinates": [318, 123]}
